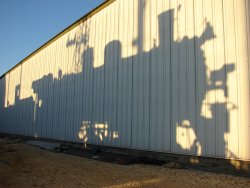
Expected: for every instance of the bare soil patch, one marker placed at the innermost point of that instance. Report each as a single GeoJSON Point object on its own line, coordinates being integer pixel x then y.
{"type": "Point", "coordinates": [23, 165]}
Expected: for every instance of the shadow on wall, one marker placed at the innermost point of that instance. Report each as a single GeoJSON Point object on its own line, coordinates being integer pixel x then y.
{"type": "Point", "coordinates": [89, 106]}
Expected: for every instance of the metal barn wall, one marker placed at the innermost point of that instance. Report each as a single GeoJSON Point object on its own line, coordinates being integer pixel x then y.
{"type": "Point", "coordinates": [159, 75]}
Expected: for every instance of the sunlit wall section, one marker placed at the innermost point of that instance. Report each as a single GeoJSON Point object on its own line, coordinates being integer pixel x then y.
{"type": "Point", "coordinates": [236, 64]}
{"type": "Point", "coordinates": [246, 135]}
{"type": "Point", "coordinates": [232, 97]}
{"type": "Point", "coordinates": [242, 17]}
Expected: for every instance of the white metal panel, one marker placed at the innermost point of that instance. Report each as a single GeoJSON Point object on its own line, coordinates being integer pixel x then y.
{"type": "Point", "coordinates": [77, 79]}
{"type": "Point", "coordinates": [128, 72]}
{"type": "Point", "coordinates": [200, 76]}
{"type": "Point", "coordinates": [219, 55]}
{"type": "Point", "coordinates": [210, 68]}
{"type": "Point", "coordinates": [16, 85]}
{"type": "Point", "coordinates": [115, 45]}
{"type": "Point", "coordinates": [138, 76]}
{"type": "Point", "coordinates": [124, 70]}
{"type": "Point", "coordinates": [85, 132]}
{"type": "Point", "coordinates": [231, 78]}
{"type": "Point", "coordinates": [45, 79]}
{"type": "Point", "coordinates": [23, 96]}
{"type": "Point", "coordinates": [70, 90]}
{"type": "Point", "coordinates": [55, 89]}
{"type": "Point", "coordinates": [130, 53]}
{"type": "Point", "coordinates": [191, 82]}
{"type": "Point", "coordinates": [120, 86]}
{"type": "Point", "coordinates": [43, 94]}
{"type": "Point", "coordinates": [107, 128]}
{"type": "Point", "coordinates": [242, 66]}
{"type": "Point", "coordinates": [146, 75]}
{"type": "Point", "coordinates": [182, 75]}
{"type": "Point", "coordinates": [101, 125]}
{"type": "Point", "coordinates": [135, 62]}
{"type": "Point", "coordinates": [6, 105]}
{"type": "Point", "coordinates": [96, 86]}
{"type": "Point", "coordinates": [153, 123]}
{"type": "Point", "coordinates": [51, 65]}
{"type": "Point", "coordinates": [11, 103]}
{"type": "Point", "coordinates": [165, 62]}
{"type": "Point", "coordinates": [13, 95]}
{"type": "Point", "coordinates": [245, 132]}
{"type": "Point", "coordinates": [19, 104]}
{"type": "Point", "coordinates": [37, 100]}
{"type": "Point", "coordinates": [174, 78]}
{"type": "Point", "coordinates": [91, 77]}
{"type": "Point", "coordinates": [2, 100]}
{"type": "Point", "coordinates": [60, 84]}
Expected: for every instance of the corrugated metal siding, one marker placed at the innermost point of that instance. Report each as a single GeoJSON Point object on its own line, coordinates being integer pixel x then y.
{"type": "Point", "coordinates": [168, 76]}
{"type": "Point", "coordinates": [2, 103]}
{"type": "Point", "coordinates": [246, 113]}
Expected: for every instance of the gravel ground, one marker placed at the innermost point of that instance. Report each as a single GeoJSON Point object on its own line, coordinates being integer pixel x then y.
{"type": "Point", "coordinates": [23, 165]}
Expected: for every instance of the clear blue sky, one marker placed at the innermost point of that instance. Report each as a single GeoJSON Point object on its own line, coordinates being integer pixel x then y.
{"type": "Point", "coordinates": [28, 24]}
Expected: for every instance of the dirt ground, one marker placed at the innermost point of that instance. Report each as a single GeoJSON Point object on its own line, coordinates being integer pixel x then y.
{"type": "Point", "coordinates": [23, 165]}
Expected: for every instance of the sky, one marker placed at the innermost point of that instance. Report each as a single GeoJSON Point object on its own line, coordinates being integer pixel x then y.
{"type": "Point", "coordinates": [28, 24]}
